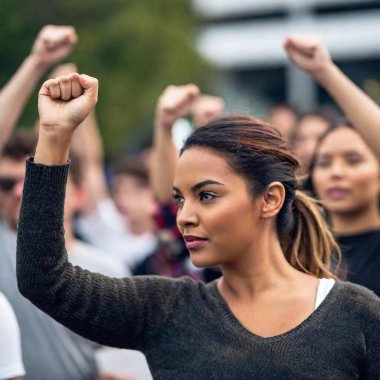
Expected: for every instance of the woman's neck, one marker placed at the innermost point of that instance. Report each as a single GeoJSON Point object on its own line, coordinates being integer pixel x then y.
{"type": "Point", "coordinates": [365, 219]}
{"type": "Point", "coordinates": [266, 270]}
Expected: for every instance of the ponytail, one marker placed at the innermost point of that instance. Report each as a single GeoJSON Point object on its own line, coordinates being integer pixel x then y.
{"type": "Point", "coordinates": [312, 245]}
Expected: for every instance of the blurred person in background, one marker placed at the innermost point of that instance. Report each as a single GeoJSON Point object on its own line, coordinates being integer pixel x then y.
{"type": "Point", "coordinates": [133, 194]}
{"type": "Point", "coordinates": [283, 117]}
{"type": "Point", "coordinates": [11, 366]}
{"type": "Point", "coordinates": [345, 173]}
{"type": "Point", "coordinates": [81, 253]}
{"type": "Point", "coordinates": [307, 131]}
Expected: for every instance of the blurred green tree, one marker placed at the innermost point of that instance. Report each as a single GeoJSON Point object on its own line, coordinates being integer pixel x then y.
{"type": "Point", "coordinates": [135, 48]}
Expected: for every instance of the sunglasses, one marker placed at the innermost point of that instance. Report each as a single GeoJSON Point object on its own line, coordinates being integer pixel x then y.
{"type": "Point", "coordinates": [7, 184]}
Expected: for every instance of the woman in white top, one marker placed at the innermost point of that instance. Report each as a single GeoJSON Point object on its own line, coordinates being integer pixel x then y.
{"type": "Point", "coordinates": [11, 366]}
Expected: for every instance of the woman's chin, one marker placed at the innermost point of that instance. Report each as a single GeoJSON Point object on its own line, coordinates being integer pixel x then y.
{"type": "Point", "coordinates": [203, 260]}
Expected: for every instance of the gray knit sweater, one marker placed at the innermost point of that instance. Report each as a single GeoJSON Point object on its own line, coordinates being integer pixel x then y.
{"type": "Point", "coordinates": [185, 328]}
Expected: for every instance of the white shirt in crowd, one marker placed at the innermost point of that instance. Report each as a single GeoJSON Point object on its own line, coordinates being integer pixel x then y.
{"type": "Point", "coordinates": [11, 365]}
{"type": "Point", "coordinates": [107, 230]}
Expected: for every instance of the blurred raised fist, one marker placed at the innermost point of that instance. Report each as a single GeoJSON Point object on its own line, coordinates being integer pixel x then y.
{"type": "Point", "coordinates": [205, 108]}
{"type": "Point", "coordinates": [175, 102]}
{"type": "Point", "coordinates": [64, 102]}
{"type": "Point", "coordinates": [308, 53]}
{"type": "Point", "coordinates": [53, 44]}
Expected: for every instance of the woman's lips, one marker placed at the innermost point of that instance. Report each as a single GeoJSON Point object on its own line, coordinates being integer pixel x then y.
{"type": "Point", "coordinates": [337, 193]}
{"type": "Point", "coordinates": [194, 242]}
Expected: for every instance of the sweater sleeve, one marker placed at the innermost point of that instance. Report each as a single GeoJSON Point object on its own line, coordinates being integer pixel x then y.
{"type": "Point", "coordinates": [372, 323]}
{"type": "Point", "coordinates": [115, 312]}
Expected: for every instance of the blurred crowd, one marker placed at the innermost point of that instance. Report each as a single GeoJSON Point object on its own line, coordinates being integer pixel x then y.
{"type": "Point", "coordinates": [120, 220]}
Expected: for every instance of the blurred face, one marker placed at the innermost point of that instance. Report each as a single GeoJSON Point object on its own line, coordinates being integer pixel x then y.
{"type": "Point", "coordinates": [12, 174]}
{"type": "Point", "coordinates": [283, 119]}
{"type": "Point", "coordinates": [309, 130]}
{"type": "Point", "coordinates": [217, 216]}
{"type": "Point", "coordinates": [135, 200]}
{"type": "Point", "coordinates": [346, 175]}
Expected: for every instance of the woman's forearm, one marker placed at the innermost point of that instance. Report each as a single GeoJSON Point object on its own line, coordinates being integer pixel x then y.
{"type": "Point", "coordinates": [358, 107]}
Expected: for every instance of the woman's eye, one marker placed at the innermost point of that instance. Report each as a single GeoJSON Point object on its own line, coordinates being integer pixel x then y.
{"type": "Point", "coordinates": [206, 196]}
{"type": "Point", "coordinates": [323, 164]}
{"type": "Point", "coordinates": [178, 199]}
{"type": "Point", "coordinates": [354, 160]}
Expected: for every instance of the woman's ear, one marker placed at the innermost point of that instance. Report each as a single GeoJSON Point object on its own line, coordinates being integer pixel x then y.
{"type": "Point", "coordinates": [274, 197]}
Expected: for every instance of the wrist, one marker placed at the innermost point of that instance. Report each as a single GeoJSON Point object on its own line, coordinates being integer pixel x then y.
{"type": "Point", "coordinates": [324, 73]}
{"type": "Point", "coordinates": [52, 147]}
{"type": "Point", "coordinates": [37, 64]}
{"type": "Point", "coordinates": [163, 127]}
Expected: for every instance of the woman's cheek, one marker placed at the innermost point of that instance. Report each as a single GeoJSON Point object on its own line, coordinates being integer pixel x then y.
{"type": "Point", "coordinates": [366, 178]}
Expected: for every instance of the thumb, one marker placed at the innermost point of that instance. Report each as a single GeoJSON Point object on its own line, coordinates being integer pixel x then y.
{"type": "Point", "coordinates": [90, 86]}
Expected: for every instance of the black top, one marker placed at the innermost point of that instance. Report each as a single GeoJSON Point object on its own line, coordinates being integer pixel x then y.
{"type": "Point", "coordinates": [361, 259]}
{"type": "Point", "coordinates": [185, 328]}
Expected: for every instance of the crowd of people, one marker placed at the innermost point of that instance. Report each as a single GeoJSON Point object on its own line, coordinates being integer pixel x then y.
{"type": "Point", "coordinates": [252, 250]}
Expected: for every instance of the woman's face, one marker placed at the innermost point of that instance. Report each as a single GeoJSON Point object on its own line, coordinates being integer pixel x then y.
{"type": "Point", "coordinates": [217, 216]}
{"type": "Point", "coordinates": [346, 176]}
{"type": "Point", "coordinates": [309, 130]}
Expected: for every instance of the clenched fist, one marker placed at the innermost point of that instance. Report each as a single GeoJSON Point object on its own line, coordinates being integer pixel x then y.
{"type": "Point", "coordinates": [175, 102]}
{"type": "Point", "coordinates": [205, 108]}
{"type": "Point", "coordinates": [53, 44]}
{"type": "Point", "coordinates": [308, 53]}
{"type": "Point", "coordinates": [63, 103]}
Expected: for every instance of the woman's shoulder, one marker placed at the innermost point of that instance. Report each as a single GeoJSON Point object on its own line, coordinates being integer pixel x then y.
{"type": "Point", "coordinates": [358, 299]}
{"type": "Point", "coordinates": [166, 285]}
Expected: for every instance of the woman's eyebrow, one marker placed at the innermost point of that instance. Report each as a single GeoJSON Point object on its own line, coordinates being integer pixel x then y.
{"type": "Point", "coordinates": [204, 183]}
{"type": "Point", "coordinates": [199, 185]}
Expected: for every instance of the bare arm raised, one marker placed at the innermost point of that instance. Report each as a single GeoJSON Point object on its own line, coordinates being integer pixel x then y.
{"type": "Point", "coordinates": [116, 312]}
{"type": "Point", "coordinates": [175, 102]}
{"type": "Point", "coordinates": [310, 55]}
{"type": "Point", "coordinates": [53, 44]}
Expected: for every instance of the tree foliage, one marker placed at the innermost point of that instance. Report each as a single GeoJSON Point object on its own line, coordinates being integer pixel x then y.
{"type": "Point", "coordinates": [134, 47]}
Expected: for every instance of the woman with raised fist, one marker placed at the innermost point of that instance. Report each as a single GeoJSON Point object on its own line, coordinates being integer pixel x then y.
{"type": "Point", "coordinates": [276, 312]}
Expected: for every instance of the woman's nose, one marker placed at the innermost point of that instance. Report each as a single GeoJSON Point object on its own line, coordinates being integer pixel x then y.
{"type": "Point", "coordinates": [186, 216]}
{"type": "Point", "coordinates": [337, 169]}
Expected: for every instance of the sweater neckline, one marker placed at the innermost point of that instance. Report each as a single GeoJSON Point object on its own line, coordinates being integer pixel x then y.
{"type": "Point", "coordinates": [238, 327]}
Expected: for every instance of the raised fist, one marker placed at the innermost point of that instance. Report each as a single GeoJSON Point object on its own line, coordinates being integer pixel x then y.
{"type": "Point", "coordinates": [64, 102]}
{"type": "Point", "coordinates": [175, 102]}
{"type": "Point", "coordinates": [53, 44]}
{"type": "Point", "coordinates": [205, 108]}
{"type": "Point", "coordinates": [308, 53]}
